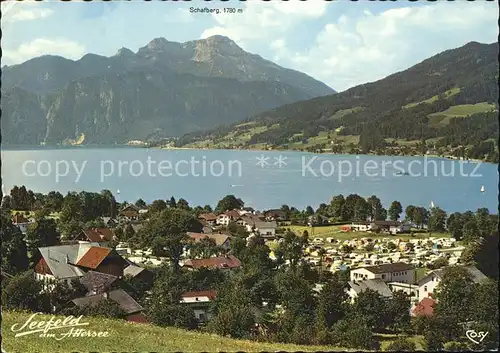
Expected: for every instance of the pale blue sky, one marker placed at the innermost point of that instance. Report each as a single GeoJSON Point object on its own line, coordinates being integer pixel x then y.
{"type": "Point", "coordinates": [341, 43]}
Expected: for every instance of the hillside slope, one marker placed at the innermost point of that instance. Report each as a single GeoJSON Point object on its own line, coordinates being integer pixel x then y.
{"type": "Point", "coordinates": [450, 100]}
{"type": "Point", "coordinates": [165, 89]}
{"type": "Point", "coordinates": [132, 337]}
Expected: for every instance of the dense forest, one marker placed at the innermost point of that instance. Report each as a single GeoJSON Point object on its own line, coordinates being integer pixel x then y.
{"type": "Point", "coordinates": [408, 105]}
{"type": "Point", "coordinates": [266, 299]}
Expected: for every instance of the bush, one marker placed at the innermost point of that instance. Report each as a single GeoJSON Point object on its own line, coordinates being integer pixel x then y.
{"type": "Point", "coordinates": [23, 292]}
{"type": "Point", "coordinates": [438, 263]}
{"type": "Point", "coordinates": [234, 323]}
{"type": "Point", "coordinates": [420, 324]}
{"type": "Point", "coordinates": [353, 334]}
{"type": "Point", "coordinates": [402, 345]}
{"type": "Point", "coordinates": [454, 346]}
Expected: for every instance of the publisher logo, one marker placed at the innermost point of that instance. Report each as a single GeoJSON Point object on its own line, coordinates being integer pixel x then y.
{"type": "Point", "coordinates": [476, 337]}
{"type": "Point", "coordinates": [56, 328]}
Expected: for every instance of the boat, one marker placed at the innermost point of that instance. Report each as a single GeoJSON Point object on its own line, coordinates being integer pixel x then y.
{"type": "Point", "coordinates": [483, 189]}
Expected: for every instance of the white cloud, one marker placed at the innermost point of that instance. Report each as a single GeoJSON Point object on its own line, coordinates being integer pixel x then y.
{"type": "Point", "coordinates": [357, 49]}
{"type": "Point", "coordinates": [44, 46]}
{"type": "Point", "coordinates": [14, 11]}
{"type": "Point", "coordinates": [264, 21]}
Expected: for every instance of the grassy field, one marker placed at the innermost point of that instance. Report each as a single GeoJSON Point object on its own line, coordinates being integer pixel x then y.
{"type": "Point", "coordinates": [447, 94]}
{"type": "Point", "coordinates": [458, 111]}
{"type": "Point", "coordinates": [54, 215]}
{"type": "Point", "coordinates": [323, 138]}
{"type": "Point", "coordinates": [341, 113]}
{"type": "Point", "coordinates": [335, 232]}
{"type": "Point", "coordinates": [129, 337]}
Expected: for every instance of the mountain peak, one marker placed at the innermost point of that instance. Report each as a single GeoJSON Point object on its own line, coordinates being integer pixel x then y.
{"type": "Point", "coordinates": [124, 52]}
{"type": "Point", "coordinates": [217, 44]}
{"type": "Point", "coordinates": [158, 43]}
{"type": "Point", "coordinates": [219, 39]}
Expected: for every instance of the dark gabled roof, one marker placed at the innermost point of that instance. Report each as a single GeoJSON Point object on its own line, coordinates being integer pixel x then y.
{"type": "Point", "coordinates": [264, 225]}
{"type": "Point", "coordinates": [132, 270]}
{"type": "Point", "coordinates": [130, 207]}
{"type": "Point", "coordinates": [387, 268]}
{"type": "Point", "coordinates": [119, 296]}
{"type": "Point", "coordinates": [219, 239]}
{"type": "Point", "coordinates": [374, 284]}
{"type": "Point", "coordinates": [129, 213]}
{"type": "Point", "coordinates": [275, 213]}
{"type": "Point", "coordinates": [232, 214]}
{"type": "Point", "coordinates": [126, 302]}
{"type": "Point", "coordinates": [99, 234]}
{"type": "Point", "coordinates": [97, 282]}
{"type": "Point", "coordinates": [208, 216]}
{"type": "Point", "coordinates": [214, 262]}
{"type": "Point", "coordinates": [476, 275]}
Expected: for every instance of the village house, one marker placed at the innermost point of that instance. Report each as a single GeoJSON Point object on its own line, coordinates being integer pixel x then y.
{"type": "Point", "coordinates": [68, 262]}
{"type": "Point", "coordinates": [376, 284]}
{"type": "Point", "coordinates": [221, 240]}
{"type": "Point", "coordinates": [425, 307]}
{"type": "Point", "coordinates": [248, 221]}
{"type": "Point", "coordinates": [97, 282]}
{"type": "Point", "coordinates": [209, 218]}
{"type": "Point", "coordinates": [246, 210]}
{"type": "Point", "coordinates": [109, 222]}
{"type": "Point", "coordinates": [132, 309]}
{"type": "Point", "coordinates": [266, 229]}
{"type": "Point", "coordinates": [275, 215]}
{"type": "Point", "coordinates": [21, 222]}
{"type": "Point", "coordinates": [395, 272]}
{"type": "Point", "coordinates": [392, 227]}
{"type": "Point", "coordinates": [207, 229]}
{"type": "Point", "coordinates": [224, 263]}
{"type": "Point", "coordinates": [200, 302]}
{"type": "Point", "coordinates": [129, 212]}
{"type": "Point", "coordinates": [225, 218]}
{"type": "Point", "coordinates": [253, 223]}
{"type": "Point", "coordinates": [428, 284]}
{"type": "Point", "coordinates": [138, 273]}
{"type": "Point", "coordinates": [317, 220]}
{"type": "Point", "coordinates": [103, 236]}
{"type": "Point", "coordinates": [409, 288]}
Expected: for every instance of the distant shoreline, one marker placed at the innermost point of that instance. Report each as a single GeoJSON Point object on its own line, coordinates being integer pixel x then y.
{"type": "Point", "coordinates": [102, 146]}
{"type": "Point", "coordinates": [326, 153]}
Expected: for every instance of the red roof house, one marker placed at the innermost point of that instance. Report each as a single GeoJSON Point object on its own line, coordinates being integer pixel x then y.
{"type": "Point", "coordinates": [424, 308]}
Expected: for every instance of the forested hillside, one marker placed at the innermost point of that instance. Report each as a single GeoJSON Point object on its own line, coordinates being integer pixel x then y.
{"type": "Point", "coordinates": [447, 104]}
{"type": "Point", "coordinates": [165, 89]}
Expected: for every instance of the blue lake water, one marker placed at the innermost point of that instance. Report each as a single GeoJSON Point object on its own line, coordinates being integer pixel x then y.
{"type": "Point", "coordinates": [262, 179]}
